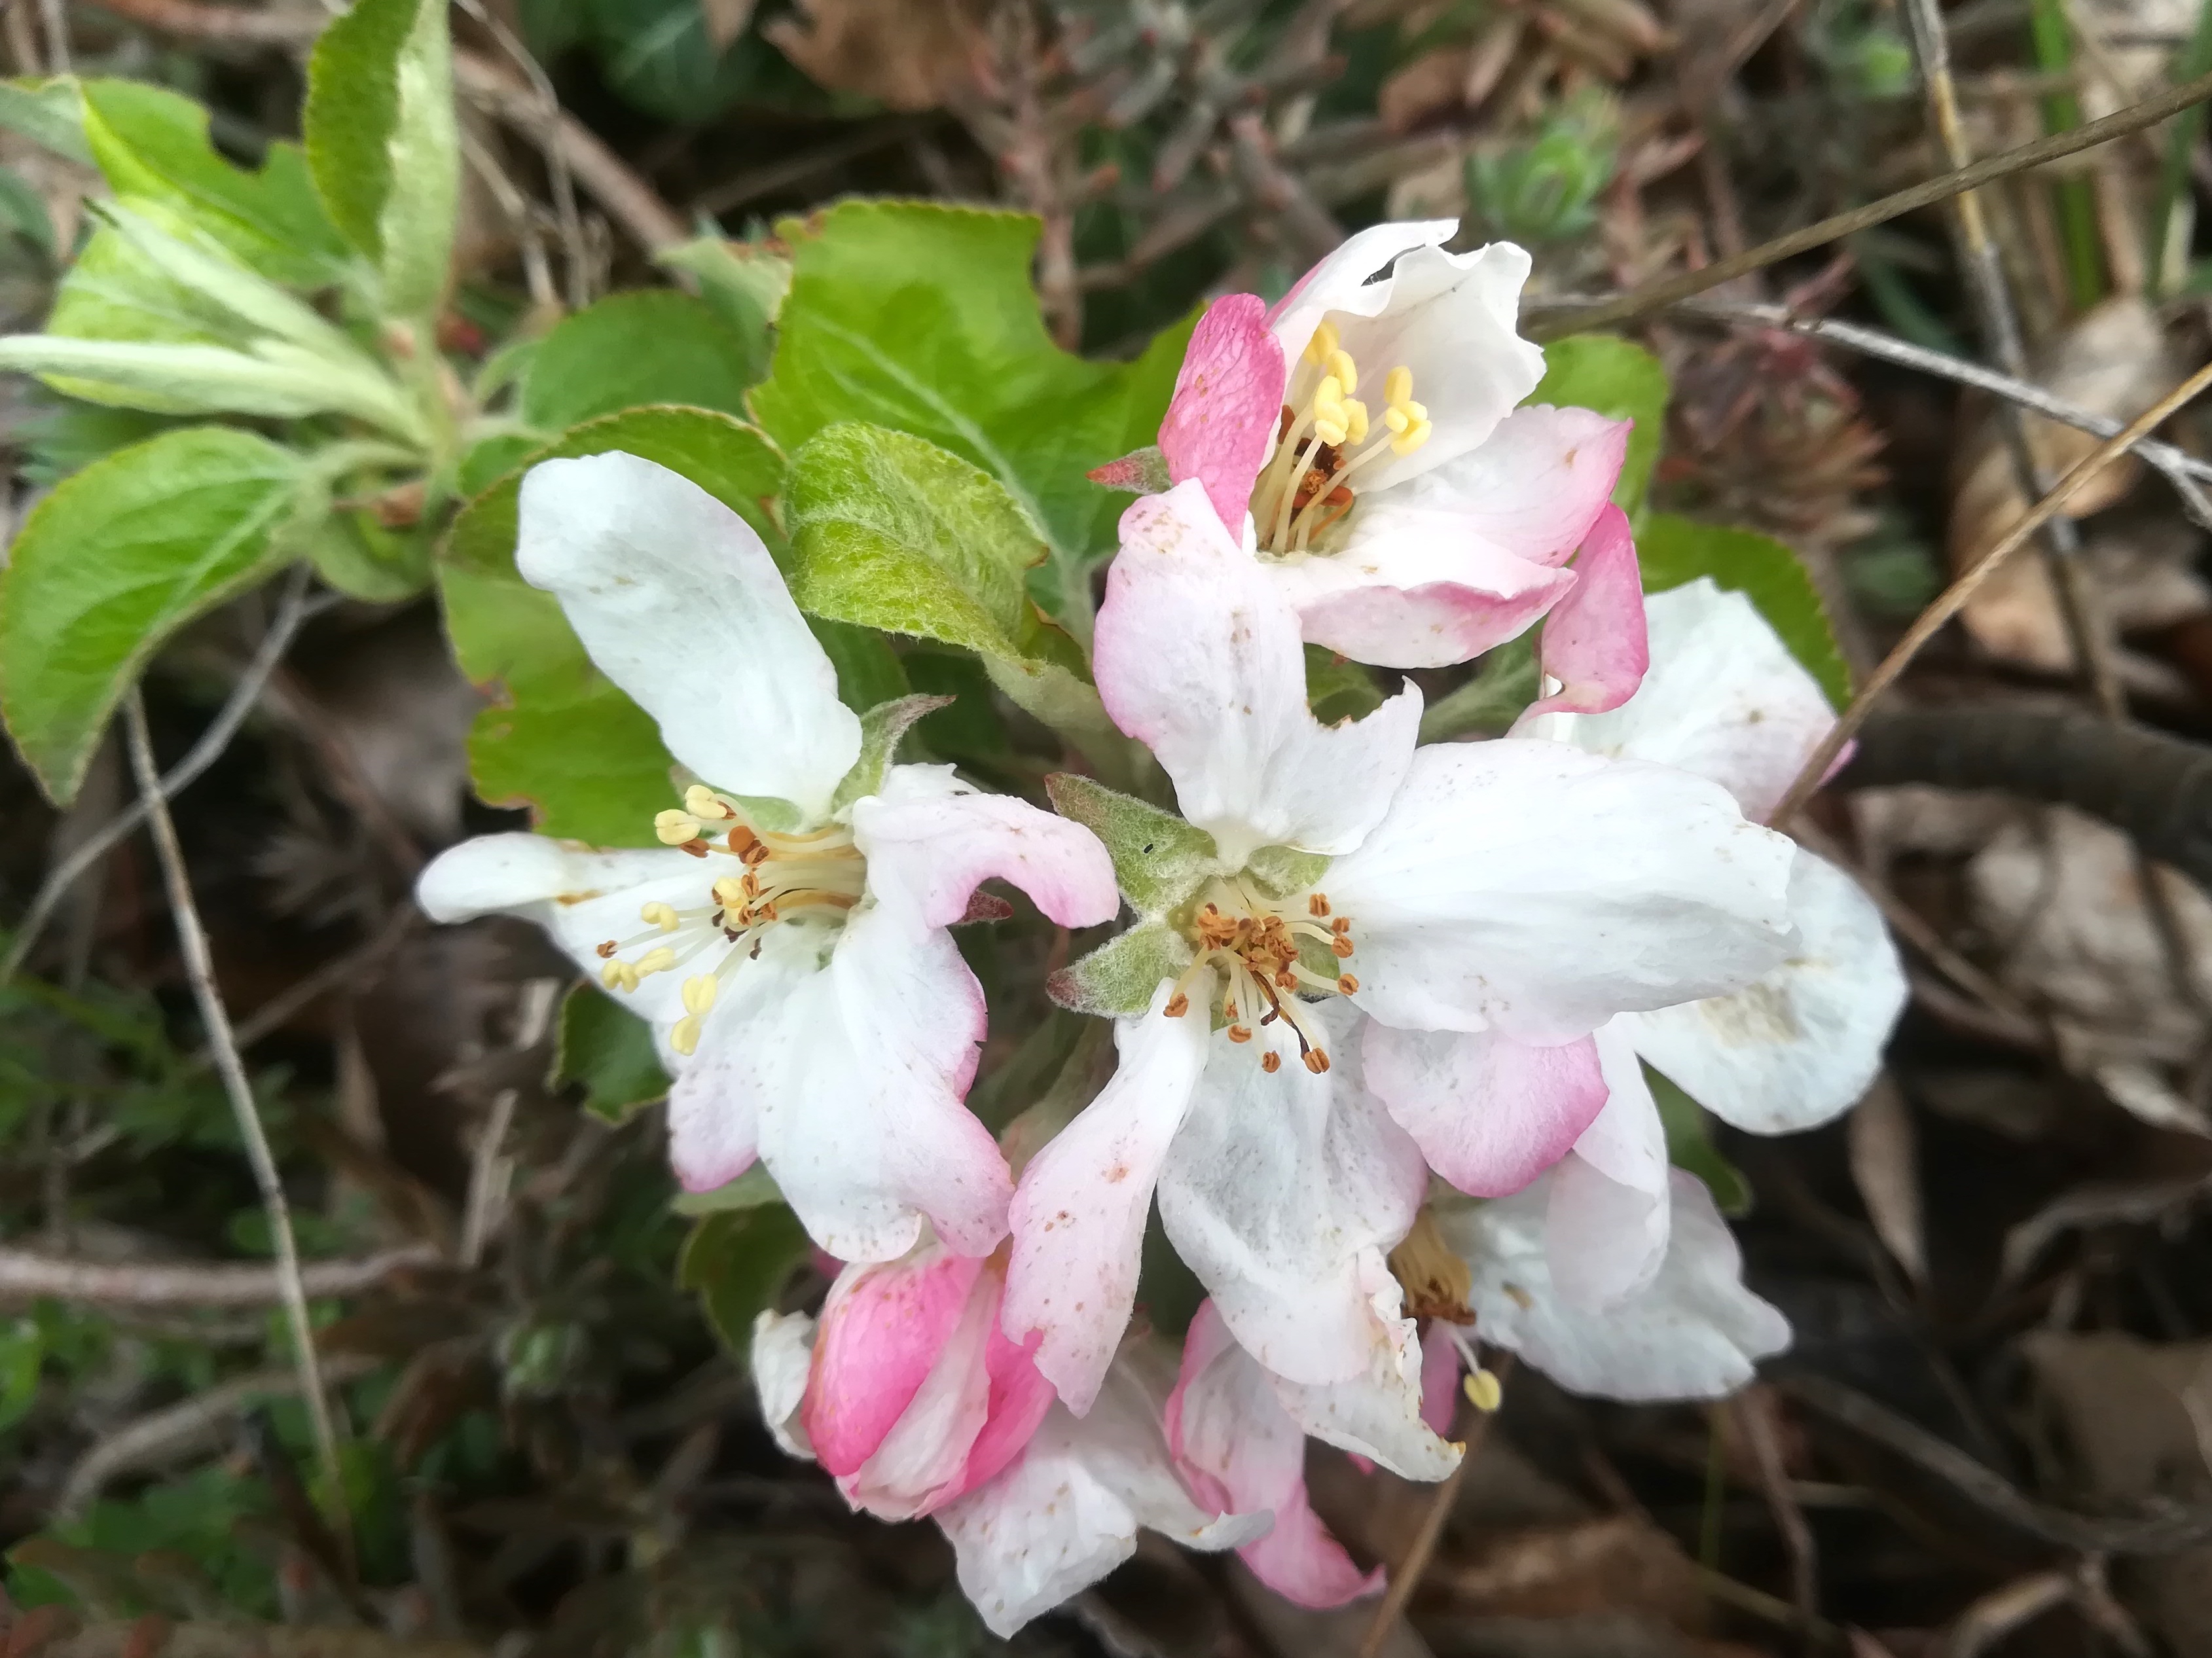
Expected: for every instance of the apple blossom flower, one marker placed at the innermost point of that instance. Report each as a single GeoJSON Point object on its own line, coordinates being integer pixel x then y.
{"type": "Point", "coordinates": [1725, 700]}
{"type": "Point", "coordinates": [787, 941]}
{"type": "Point", "coordinates": [1329, 881]}
{"type": "Point", "coordinates": [1044, 1503]}
{"type": "Point", "coordinates": [1440, 522]}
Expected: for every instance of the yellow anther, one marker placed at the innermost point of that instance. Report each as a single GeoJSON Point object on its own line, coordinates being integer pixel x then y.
{"type": "Point", "coordinates": [685, 1039]}
{"type": "Point", "coordinates": [618, 975]}
{"type": "Point", "coordinates": [730, 892]}
{"type": "Point", "coordinates": [1322, 342]}
{"type": "Point", "coordinates": [1355, 422]}
{"type": "Point", "coordinates": [1334, 432]}
{"type": "Point", "coordinates": [661, 915]}
{"type": "Point", "coordinates": [1397, 385]}
{"type": "Point", "coordinates": [1484, 1390]}
{"type": "Point", "coordinates": [1343, 369]}
{"type": "Point", "coordinates": [1407, 441]}
{"type": "Point", "coordinates": [675, 827]}
{"type": "Point", "coordinates": [699, 992]}
{"type": "Point", "coordinates": [705, 804]}
{"type": "Point", "coordinates": [659, 960]}
{"type": "Point", "coordinates": [1396, 418]}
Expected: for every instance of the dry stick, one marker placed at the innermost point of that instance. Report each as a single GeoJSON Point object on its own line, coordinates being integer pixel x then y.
{"type": "Point", "coordinates": [199, 966]}
{"type": "Point", "coordinates": [489, 1172]}
{"type": "Point", "coordinates": [32, 1275]}
{"type": "Point", "coordinates": [1408, 1577]}
{"type": "Point", "coordinates": [1953, 598]}
{"type": "Point", "coordinates": [1654, 295]}
{"type": "Point", "coordinates": [292, 612]}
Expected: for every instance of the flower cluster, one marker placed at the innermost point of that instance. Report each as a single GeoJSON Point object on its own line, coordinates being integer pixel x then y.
{"type": "Point", "coordinates": [1383, 1012]}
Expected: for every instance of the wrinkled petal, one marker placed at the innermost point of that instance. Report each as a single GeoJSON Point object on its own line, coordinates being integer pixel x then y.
{"type": "Point", "coordinates": [1198, 657]}
{"type": "Point", "coordinates": [1380, 1417]}
{"type": "Point", "coordinates": [1079, 1217]}
{"type": "Point", "coordinates": [930, 842]}
{"type": "Point", "coordinates": [1693, 1333]}
{"type": "Point", "coordinates": [1066, 1512]}
{"type": "Point", "coordinates": [1337, 281]}
{"type": "Point", "coordinates": [1283, 1192]}
{"type": "Point", "coordinates": [1802, 1045]}
{"type": "Point", "coordinates": [1534, 488]}
{"type": "Point", "coordinates": [922, 1457]}
{"type": "Point", "coordinates": [1489, 1114]}
{"type": "Point", "coordinates": [1020, 1397]}
{"type": "Point", "coordinates": [1723, 698]}
{"type": "Point", "coordinates": [1411, 589]}
{"type": "Point", "coordinates": [782, 1357]}
{"type": "Point", "coordinates": [1449, 317]}
{"type": "Point", "coordinates": [714, 1098]}
{"type": "Point", "coordinates": [1594, 641]}
{"type": "Point", "coordinates": [1242, 1453]}
{"type": "Point", "coordinates": [1221, 422]}
{"type": "Point", "coordinates": [1531, 889]}
{"type": "Point", "coordinates": [1608, 1231]}
{"type": "Point", "coordinates": [882, 1331]}
{"type": "Point", "coordinates": [861, 1078]}
{"type": "Point", "coordinates": [680, 604]}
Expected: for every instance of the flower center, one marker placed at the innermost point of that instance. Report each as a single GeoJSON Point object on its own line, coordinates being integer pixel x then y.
{"type": "Point", "coordinates": [1323, 438]}
{"type": "Point", "coordinates": [778, 879]}
{"type": "Point", "coordinates": [1435, 1281]}
{"type": "Point", "coordinates": [1261, 948]}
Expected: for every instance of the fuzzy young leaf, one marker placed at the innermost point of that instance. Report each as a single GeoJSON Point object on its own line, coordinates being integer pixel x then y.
{"type": "Point", "coordinates": [1622, 381]}
{"type": "Point", "coordinates": [921, 317]}
{"type": "Point", "coordinates": [384, 146]}
{"type": "Point", "coordinates": [882, 729]}
{"type": "Point", "coordinates": [609, 1049]}
{"type": "Point", "coordinates": [1282, 871]}
{"type": "Point", "coordinates": [562, 739]}
{"type": "Point", "coordinates": [738, 1260]}
{"type": "Point", "coordinates": [634, 348]}
{"type": "Point", "coordinates": [113, 561]}
{"type": "Point", "coordinates": [275, 380]}
{"type": "Point", "coordinates": [1159, 860]}
{"type": "Point", "coordinates": [1673, 550]}
{"type": "Point", "coordinates": [1117, 980]}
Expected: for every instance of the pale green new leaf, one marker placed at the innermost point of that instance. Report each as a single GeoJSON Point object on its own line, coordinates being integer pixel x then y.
{"type": "Point", "coordinates": [1673, 550]}
{"type": "Point", "coordinates": [1117, 980]}
{"type": "Point", "coordinates": [275, 380]}
{"type": "Point", "coordinates": [1159, 860]}
{"type": "Point", "coordinates": [882, 729]}
{"type": "Point", "coordinates": [196, 262]}
{"type": "Point", "coordinates": [383, 144]}
{"type": "Point", "coordinates": [1619, 380]}
{"type": "Point", "coordinates": [117, 559]}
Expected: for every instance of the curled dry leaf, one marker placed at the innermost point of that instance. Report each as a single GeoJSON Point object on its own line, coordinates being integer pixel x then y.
{"type": "Point", "coordinates": [906, 54]}
{"type": "Point", "coordinates": [1885, 1153]}
{"type": "Point", "coordinates": [2117, 362]}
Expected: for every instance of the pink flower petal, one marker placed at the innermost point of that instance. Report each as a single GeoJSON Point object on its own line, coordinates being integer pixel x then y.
{"type": "Point", "coordinates": [1490, 1113]}
{"type": "Point", "coordinates": [1595, 643]}
{"type": "Point", "coordinates": [881, 1334]}
{"type": "Point", "coordinates": [1536, 486]}
{"type": "Point", "coordinates": [1228, 399]}
{"type": "Point", "coordinates": [1440, 1368]}
{"type": "Point", "coordinates": [928, 842]}
{"type": "Point", "coordinates": [1020, 1396]}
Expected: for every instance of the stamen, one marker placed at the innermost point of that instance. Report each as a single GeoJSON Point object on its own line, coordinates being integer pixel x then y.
{"type": "Point", "coordinates": [730, 892]}
{"type": "Point", "coordinates": [1323, 343]}
{"type": "Point", "coordinates": [1317, 904]}
{"type": "Point", "coordinates": [1316, 1060]}
{"type": "Point", "coordinates": [705, 804]}
{"type": "Point", "coordinates": [1484, 1390]}
{"type": "Point", "coordinates": [1347, 985]}
{"type": "Point", "coordinates": [685, 1038]}
{"type": "Point", "coordinates": [699, 993]}
{"type": "Point", "coordinates": [1238, 1033]}
{"type": "Point", "coordinates": [655, 961]}
{"type": "Point", "coordinates": [1271, 1062]}
{"type": "Point", "coordinates": [1178, 1004]}
{"type": "Point", "coordinates": [675, 827]}
{"type": "Point", "coordinates": [661, 915]}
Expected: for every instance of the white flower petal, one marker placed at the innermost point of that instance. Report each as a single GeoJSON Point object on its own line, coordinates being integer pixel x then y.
{"type": "Point", "coordinates": [1078, 1216]}
{"type": "Point", "coordinates": [782, 1353]}
{"type": "Point", "coordinates": [1283, 1191]}
{"type": "Point", "coordinates": [1693, 1333]}
{"type": "Point", "coordinates": [1340, 282]}
{"type": "Point", "coordinates": [1608, 1232]}
{"type": "Point", "coordinates": [1532, 889]}
{"type": "Point", "coordinates": [715, 1096]}
{"type": "Point", "coordinates": [680, 604]}
{"type": "Point", "coordinates": [930, 842]}
{"type": "Point", "coordinates": [1803, 1044]}
{"type": "Point", "coordinates": [1533, 487]}
{"type": "Point", "coordinates": [1378, 1415]}
{"type": "Point", "coordinates": [1723, 698]}
{"type": "Point", "coordinates": [1199, 657]}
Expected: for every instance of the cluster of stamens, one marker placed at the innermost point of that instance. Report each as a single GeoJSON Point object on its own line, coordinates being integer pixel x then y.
{"type": "Point", "coordinates": [1323, 438]}
{"type": "Point", "coordinates": [778, 878]}
{"type": "Point", "coordinates": [1257, 949]}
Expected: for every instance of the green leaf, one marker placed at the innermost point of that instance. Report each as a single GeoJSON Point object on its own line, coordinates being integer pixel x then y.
{"type": "Point", "coordinates": [1159, 860]}
{"type": "Point", "coordinates": [1622, 381]}
{"type": "Point", "coordinates": [383, 144]}
{"type": "Point", "coordinates": [22, 1351]}
{"type": "Point", "coordinates": [882, 729]}
{"type": "Point", "coordinates": [1690, 1146]}
{"type": "Point", "coordinates": [562, 739]}
{"type": "Point", "coordinates": [1673, 550]}
{"type": "Point", "coordinates": [1117, 980]}
{"type": "Point", "coordinates": [631, 349]}
{"type": "Point", "coordinates": [745, 283]}
{"type": "Point", "coordinates": [276, 380]}
{"type": "Point", "coordinates": [1503, 685]}
{"type": "Point", "coordinates": [113, 561]}
{"type": "Point", "coordinates": [738, 1260]}
{"type": "Point", "coordinates": [49, 113]}
{"type": "Point", "coordinates": [749, 1190]}
{"type": "Point", "coordinates": [1337, 688]}
{"type": "Point", "coordinates": [362, 558]}
{"type": "Point", "coordinates": [922, 317]}
{"type": "Point", "coordinates": [609, 1049]}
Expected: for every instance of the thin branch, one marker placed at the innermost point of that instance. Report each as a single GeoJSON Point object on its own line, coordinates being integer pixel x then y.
{"type": "Point", "coordinates": [199, 966]}
{"type": "Point", "coordinates": [32, 1275]}
{"type": "Point", "coordinates": [292, 610]}
{"type": "Point", "coordinates": [1544, 325]}
{"type": "Point", "coordinates": [1954, 598]}
{"type": "Point", "coordinates": [489, 1172]}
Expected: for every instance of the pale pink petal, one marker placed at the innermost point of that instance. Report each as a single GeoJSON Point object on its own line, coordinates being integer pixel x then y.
{"type": "Point", "coordinates": [1440, 1371]}
{"type": "Point", "coordinates": [1339, 280]}
{"type": "Point", "coordinates": [1607, 1234]}
{"type": "Point", "coordinates": [929, 841]}
{"type": "Point", "coordinates": [1489, 1112]}
{"type": "Point", "coordinates": [716, 1096]}
{"type": "Point", "coordinates": [1221, 422]}
{"type": "Point", "coordinates": [921, 1463]}
{"type": "Point", "coordinates": [1535, 488]}
{"type": "Point", "coordinates": [1020, 1397]}
{"type": "Point", "coordinates": [1594, 641]}
{"type": "Point", "coordinates": [1079, 1217]}
{"type": "Point", "coordinates": [880, 1335]}
{"type": "Point", "coordinates": [1198, 657]}
{"type": "Point", "coordinates": [1242, 1451]}
{"type": "Point", "coordinates": [861, 1078]}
